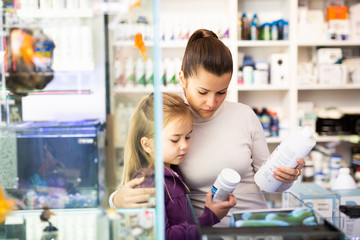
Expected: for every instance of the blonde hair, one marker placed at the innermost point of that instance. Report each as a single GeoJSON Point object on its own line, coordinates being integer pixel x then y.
{"type": "Point", "coordinates": [142, 125]}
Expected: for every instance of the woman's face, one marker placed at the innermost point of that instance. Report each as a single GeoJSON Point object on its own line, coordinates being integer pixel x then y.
{"type": "Point", "coordinates": [205, 92]}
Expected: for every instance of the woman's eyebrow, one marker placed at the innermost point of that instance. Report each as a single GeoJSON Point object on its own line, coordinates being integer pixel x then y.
{"type": "Point", "coordinates": [210, 91]}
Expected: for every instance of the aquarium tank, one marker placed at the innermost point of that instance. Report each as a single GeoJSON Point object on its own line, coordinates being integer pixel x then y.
{"type": "Point", "coordinates": [53, 163]}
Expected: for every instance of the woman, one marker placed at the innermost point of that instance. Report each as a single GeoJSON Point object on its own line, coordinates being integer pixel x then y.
{"type": "Point", "coordinates": [225, 134]}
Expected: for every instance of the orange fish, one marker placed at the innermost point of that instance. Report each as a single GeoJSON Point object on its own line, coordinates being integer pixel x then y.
{"type": "Point", "coordinates": [139, 43]}
{"type": "Point", "coordinates": [6, 206]}
{"type": "Point", "coordinates": [22, 46]}
{"type": "Point", "coordinates": [137, 3]}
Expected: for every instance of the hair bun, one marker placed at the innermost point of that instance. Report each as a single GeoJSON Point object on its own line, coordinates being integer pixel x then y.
{"type": "Point", "coordinates": [202, 33]}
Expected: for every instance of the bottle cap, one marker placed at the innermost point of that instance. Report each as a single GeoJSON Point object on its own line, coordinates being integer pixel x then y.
{"type": "Point", "coordinates": [230, 176]}
{"type": "Point", "coordinates": [344, 171]}
{"type": "Point", "coordinates": [307, 131]}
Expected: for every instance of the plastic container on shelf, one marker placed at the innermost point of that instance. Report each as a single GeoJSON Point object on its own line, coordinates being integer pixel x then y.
{"type": "Point", "coordinates": [254, 28]}
{"type": "Point", "coordinates": [274, 125]}
{"type": "Point", "coordinates": [140, 72]}
{"type": "Point", "coordinates": [245, 32]}
{"type": "Point", "coordinates": [265, 120]}
{"type": "Point", "coordinates": [334, 168]}
{"type": "Point", "coordinates": [225, 184]}
{"type": "Point", "coordinates": [297, 144]}
{"type": "Point", "coordinates": [344, 180]}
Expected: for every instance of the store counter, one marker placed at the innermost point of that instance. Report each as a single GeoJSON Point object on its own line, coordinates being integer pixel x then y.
{"type": "Point", "coordinates": [283, 216]}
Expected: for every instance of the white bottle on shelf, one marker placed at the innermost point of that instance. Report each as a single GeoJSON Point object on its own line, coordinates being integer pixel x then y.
{"type": "Point", "coordinates": [149, 73]}
{"type": "Point", "coordinates": [344, 180]}
{"type": "Point", "coordinates": [140, 73]}
{"type": "Point", "coordinates": [297, 144]}
{"type": "Point", "coordinates": [130, 73]}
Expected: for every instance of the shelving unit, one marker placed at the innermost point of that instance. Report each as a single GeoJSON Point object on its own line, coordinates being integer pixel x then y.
{"type": "Point", "coordinates": [284, 98]}
{"type": "Point", "coordinates": [54, 13]}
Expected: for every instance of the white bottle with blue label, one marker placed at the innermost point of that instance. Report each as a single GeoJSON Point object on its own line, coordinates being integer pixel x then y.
{"type": "Point", "coordinates": [225, 184]}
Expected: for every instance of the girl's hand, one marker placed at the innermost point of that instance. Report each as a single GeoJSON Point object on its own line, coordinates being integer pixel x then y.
{"type": "Point", "coordinates": [220, 209]}
{"type": "Point", "coordinates": [289, 175]}
{"type": "Point", "coordinates": [129, 197]}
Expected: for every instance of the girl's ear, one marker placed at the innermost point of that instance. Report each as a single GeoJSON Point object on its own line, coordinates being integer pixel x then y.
{"type": "Point", "coordinates": [147, 145]}
{"type": "Point", "coordinates": [182, 80]}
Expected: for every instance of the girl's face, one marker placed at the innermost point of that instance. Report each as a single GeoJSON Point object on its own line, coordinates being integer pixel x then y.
{"type": "Point", "coordinates": [205, 92]}
{"type": "Point", "coordinates": [176, 140]}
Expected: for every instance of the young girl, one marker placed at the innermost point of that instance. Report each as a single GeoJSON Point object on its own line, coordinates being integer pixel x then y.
{"type": "Point", "coordinates": [139, 162]}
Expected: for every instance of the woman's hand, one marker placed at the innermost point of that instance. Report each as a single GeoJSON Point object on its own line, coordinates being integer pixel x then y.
{"type": "Point", "coordinates": [220, 209]}
{"type": "Point", "coordinates": [289, 175]}
{"type": "Point", "coordinates": [129, 197]}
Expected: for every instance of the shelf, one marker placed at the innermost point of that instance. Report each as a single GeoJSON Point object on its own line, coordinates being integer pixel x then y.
{"type": "Point", "coordinates": [329, 87]}
{"type": "Point", "coordinates": [323, 139]}
{"type": "Point", "coordinates": [74, 68]}
{"type": "Point", "coordinates": [10, 101]}
{"type": "Point", "coordinates": [328, 43]}
{"type": "Point", "coordinates": [55, 13]}
{"type": "Point", "coordinates": [119, 90]}
{"type": "Point", "coordinates": [167, 44]}
{"type": "Point", "coordinates": [338, 138]}
{"type": "Point", "coordinates": [262, 88]}
{"type": "Point", "coordinates": [263, 43]}
{"type": "Point", "coordinates": [164, 44]}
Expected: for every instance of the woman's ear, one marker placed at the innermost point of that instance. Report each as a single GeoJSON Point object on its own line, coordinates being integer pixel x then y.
{"type": "Point", "coordinates": [182, 80]}
{"type": "Point", "coordinates": [147, 145]}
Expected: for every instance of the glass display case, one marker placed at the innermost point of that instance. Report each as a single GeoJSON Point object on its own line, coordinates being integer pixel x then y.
{"type": "Point", "coordinates": [282, 216]}
{"type": "Point", "coordinates": [60, 117]}
{"type": "Point", "coordinates": [52, 97]}
{"type": "Point", "coordinates": [62, 75]}
{"type": "Point", "coordinates": [58, 164]}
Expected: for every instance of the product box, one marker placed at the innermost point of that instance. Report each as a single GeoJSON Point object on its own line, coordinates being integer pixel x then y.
{"type": "Point", "coordinates": [329, 55]}
{"type": "Point", "coordinates": [350, 226]}
{"type": "Point", "coordinates": [332, 74]}
{"type": "Point", "coordinates": [323, 201]}
{"type": "Point", "coordinates": [337, 12]}
{"type": "Point", "coordinates": [355, 21]}
{"type": "Point", "coordinates": [339, 29]}
{"type": "Point", "coordinates": [279, 69]}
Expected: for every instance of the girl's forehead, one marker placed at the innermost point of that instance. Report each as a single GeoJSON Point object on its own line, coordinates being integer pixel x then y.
{"type": "Point", "coordinates": [180, 119]}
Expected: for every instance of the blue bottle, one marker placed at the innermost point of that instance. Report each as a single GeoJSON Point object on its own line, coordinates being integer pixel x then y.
{"type": "Point", "coordinates": [285, 31]}
{"type": "Point", "coordinates": [274, 125]}
{"type": "Point", "coordinates": [265, 120]}
{"type": "Point", "coordinates": [254, 28]}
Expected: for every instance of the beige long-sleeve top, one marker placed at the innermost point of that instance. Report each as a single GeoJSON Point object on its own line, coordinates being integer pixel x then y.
{"type": "Point", "coordinates": [232, 138]}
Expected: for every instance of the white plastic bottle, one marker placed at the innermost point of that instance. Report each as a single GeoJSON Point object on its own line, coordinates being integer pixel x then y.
{"type": "Point", "coordinates": [140, 73]}
{"type": "Point", "coordinates": [225, 184]}
{"type": "Point", "coordinates": [344, 180]}
{"type": "Point", "coordinates": [297, 144]}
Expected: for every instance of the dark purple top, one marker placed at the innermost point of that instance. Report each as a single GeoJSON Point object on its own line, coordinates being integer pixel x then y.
{"type": "Point", "coordinates": [178, 217]}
